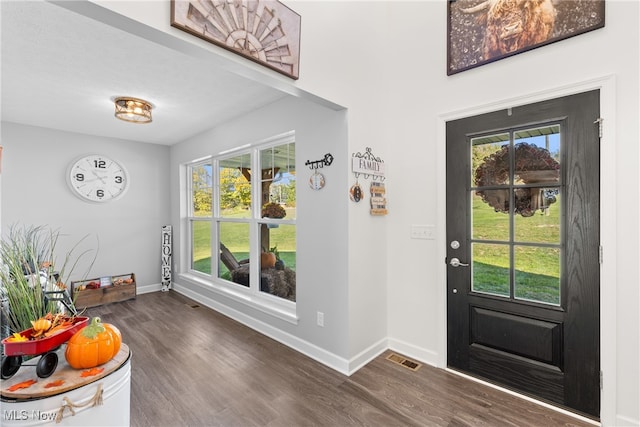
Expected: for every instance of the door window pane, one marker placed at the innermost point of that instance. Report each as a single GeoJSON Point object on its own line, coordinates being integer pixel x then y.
{"type": "Point", "coordinates": [537, 274]}
{"type": "Point", "coordinates": [537, 162]}
{"type": "Point", "coordinates": [490, 269]}
{"type": "Point", "coordinates": [543, 226]}
{"type": "Point", "coordinates": [201, 246]}
{"type": "Point", "coordinates": [537, 155]}
{"type": "Point", "coordinates": [488, 223]}
{"type": "Point", "coordinates": [489, 165]}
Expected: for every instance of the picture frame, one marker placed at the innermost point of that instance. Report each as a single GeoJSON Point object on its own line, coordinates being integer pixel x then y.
{"type": "Point", "coordinates": [484, 31]}
{"type": "Point", "coordinates": [264, 31]}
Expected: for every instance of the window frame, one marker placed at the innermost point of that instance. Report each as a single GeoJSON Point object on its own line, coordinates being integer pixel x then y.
{"type": "Point", "coordinates": [252, 295]}
{"type": "Point", "coordinates": [191, 217]}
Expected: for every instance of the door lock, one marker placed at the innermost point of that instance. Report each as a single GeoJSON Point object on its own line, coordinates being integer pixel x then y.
{"type": "Point", "coordinates": [455, 262]}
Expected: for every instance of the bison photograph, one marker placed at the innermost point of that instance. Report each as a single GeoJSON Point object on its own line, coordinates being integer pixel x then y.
{"type": "Point", "coordinates": [482, 31]}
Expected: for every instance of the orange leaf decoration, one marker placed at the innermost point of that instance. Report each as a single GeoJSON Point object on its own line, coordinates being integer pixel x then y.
{"type": "Point", "coordinates": [56, 383]}
{"type": "Point", "coordinates": [17, 337]}
{"type": "Point", "coordinates": [91, 372]}
{"type": "Point", "coordinates": [23, 384]}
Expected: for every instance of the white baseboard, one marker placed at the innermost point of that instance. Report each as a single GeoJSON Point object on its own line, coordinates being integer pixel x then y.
{"type": "Point", "coordinates": [325, 357]}
{"type": "Point", "coordinates": [414, 352]}
{"type": "Point", "coordinates": [367, 355]}
{"type": "Point", "coordinates": [154, 287]}
{"type": "Point", "coordinates": [333, 361]}
{"type": "Point", "coordinates": [622, 421]}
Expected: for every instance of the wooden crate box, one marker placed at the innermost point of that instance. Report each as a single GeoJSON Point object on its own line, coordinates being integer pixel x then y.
{"type": "Point", "coordinates": [112, 289]}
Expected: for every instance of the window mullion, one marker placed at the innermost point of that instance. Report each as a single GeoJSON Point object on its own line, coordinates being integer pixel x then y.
{"type": "Point", "coordinates": [254, 233]}
{"type": "Point", "coordinates": [215, 219]}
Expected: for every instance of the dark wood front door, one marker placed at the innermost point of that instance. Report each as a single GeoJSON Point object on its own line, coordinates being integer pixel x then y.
{"type": "Point", "coordinates": [523, 249]}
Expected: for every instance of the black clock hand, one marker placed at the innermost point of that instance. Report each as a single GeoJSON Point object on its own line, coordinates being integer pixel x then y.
{"type": "Point", "coordinates": [99, 177]}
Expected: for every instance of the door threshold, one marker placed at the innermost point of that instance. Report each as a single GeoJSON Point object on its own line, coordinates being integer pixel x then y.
{"type": "Point", "coordinates": [525, 397]}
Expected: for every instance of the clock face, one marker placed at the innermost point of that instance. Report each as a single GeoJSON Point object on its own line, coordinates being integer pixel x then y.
{"type": "Point", "coordinates": [97, 178]}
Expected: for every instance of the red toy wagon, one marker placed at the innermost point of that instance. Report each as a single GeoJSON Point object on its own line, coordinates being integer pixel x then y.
{"type": "Point", "coordinates": [43, 346]}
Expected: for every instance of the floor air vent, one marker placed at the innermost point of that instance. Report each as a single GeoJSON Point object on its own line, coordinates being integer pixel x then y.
{"type": "Point", "coordinates": [409, 364]}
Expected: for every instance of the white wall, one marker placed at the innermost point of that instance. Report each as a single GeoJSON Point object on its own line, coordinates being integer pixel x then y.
{"type": "Point", "coordinates": [125, 232]}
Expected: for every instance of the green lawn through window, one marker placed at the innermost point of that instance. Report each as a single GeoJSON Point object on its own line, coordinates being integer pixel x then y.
{"type": "Point", "coordinates": [237, 242]}
{"type": "Point", "coordinates": [538, 272]}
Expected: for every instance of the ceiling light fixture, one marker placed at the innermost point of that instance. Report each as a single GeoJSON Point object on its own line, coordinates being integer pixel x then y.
{"type": "Point", "coordinates": [133, 110]}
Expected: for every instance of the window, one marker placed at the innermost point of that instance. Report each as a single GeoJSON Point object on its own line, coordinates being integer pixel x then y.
{"type": "Point", "coordinates": [200, 195]}
{"type": "Point", "coordinates": [244, 210]}
{"type": "Point", "coordinates": [516, 215]}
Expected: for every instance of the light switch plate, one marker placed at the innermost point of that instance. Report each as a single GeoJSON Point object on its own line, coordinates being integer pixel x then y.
{"type": "Point", "coordinates": [425, 232]}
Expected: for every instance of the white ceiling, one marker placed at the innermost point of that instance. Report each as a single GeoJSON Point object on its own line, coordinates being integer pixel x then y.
{"type": "Point", "coordinates": [61, 70]}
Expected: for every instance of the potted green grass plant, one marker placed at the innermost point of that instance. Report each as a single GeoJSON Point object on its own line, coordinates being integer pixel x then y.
{"type": "Point", "coordinates": [28, 271]}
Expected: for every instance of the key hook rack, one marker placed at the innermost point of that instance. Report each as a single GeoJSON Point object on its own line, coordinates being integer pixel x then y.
{"type": "Point", "coordinates": [315, 164]}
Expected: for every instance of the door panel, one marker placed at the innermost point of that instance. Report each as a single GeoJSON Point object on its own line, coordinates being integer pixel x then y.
{"type": "Point", "coordinates": [534, 339]}
{"type": "Point", "coordinates": [523, 201]}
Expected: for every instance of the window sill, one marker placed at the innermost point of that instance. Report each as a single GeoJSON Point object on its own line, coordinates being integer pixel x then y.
{"type": "Point", "coordinates": [273, 306]}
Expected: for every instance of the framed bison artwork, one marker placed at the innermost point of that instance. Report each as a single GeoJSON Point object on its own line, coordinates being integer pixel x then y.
{"type": "Point", "coordinates": [264, 31]}
{"type": "Point", "coordinates": [483, 31]}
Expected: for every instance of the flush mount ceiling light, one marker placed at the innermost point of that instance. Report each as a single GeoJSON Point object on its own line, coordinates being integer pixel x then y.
{"type": "Point", "coordinates": [133, 110]}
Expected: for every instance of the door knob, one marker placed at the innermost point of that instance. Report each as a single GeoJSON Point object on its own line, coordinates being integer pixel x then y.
{"type": "Point", "coordinates": [455, 262]}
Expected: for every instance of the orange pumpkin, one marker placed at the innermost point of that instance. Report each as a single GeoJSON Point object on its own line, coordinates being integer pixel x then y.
{"type": "Point", "coordinates": [93, 345]}
{"type": "Point", "coordinates": [267, 260]}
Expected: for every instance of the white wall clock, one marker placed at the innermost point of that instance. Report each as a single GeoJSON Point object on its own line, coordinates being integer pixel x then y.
{"type": "Point", "coordinates": [97, 178]}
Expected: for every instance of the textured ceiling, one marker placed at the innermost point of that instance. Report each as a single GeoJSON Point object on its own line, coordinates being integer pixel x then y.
{"type": "Point", "coordinates": [61, 70]}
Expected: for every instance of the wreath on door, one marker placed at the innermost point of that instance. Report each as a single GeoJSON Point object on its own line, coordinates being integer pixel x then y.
{"type": "Point", "coordinates": [533, 165]}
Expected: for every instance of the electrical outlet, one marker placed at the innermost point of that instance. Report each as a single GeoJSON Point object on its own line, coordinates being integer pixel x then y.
{"type": "Point", "coordinates": [320, 318]}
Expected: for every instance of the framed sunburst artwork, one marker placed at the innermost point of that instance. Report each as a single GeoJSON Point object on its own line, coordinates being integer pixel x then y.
{"type": "Point", "coordinates": [264, 31]}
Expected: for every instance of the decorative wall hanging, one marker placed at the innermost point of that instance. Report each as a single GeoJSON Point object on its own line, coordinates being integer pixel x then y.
{"type": "Point", "coordinates": [355, 192]}
{"type": "Point", "coordinates": [368, 165]}
{"type": "Point", "coordinates": [483, 31]}
{"type": "Point", "coordinates": [166, 257]}
{"type": "Point", "coordinates": [325, 161]}
{"type": "Point", "coordinates": [378, 200]}
{"type": "Point", "coordinates": [264, 31]}
{"type": "Point", "coordinates": [317, 181]}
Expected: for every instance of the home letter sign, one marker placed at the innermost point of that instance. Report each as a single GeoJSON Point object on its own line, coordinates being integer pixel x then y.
{"type": "Point", "coordinates": [166, 258]}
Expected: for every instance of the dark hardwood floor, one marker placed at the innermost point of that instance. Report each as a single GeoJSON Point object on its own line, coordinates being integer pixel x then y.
{"type": "Point", "coordinates": [192, 366]}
